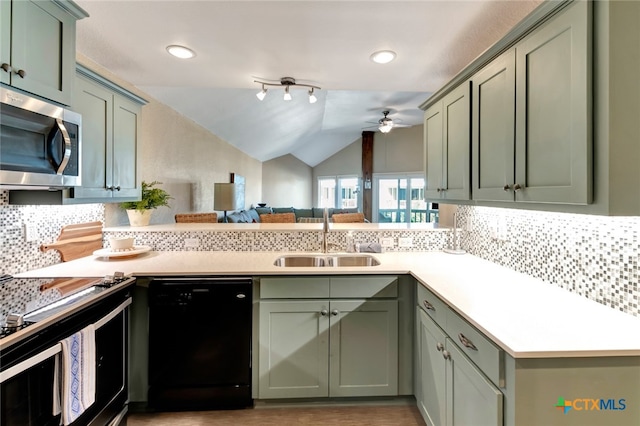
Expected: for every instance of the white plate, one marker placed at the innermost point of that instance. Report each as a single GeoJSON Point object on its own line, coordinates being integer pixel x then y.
{"type": "Point", "coordinates": [107, 252]}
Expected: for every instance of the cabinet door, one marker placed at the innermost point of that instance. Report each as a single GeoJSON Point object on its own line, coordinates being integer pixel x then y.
{"type": "Point", "coordinates": [95, 103]}
{"type": "Point", "coordinates": [493, 130]}
{"type": "Point", "coordinates": [5, 40]}
{"type": "Point", "coordinates": [433, 151]}
{"type": "Point", "coordinates": [473, 399]}
{"type": "Point", "coordinates": [431, 376]}
{"type": "Point", "coordinates": [125, 145]}
{"type": "Point", "coordinates": [363, 360]}
{"type": "Point", "coordinates": [43, 46]}
{"type": "Point", "coordinates": [553, 110]}
{"type": "Point", "coordinates": [456, 116]}
{"type": "Point", "coordinates": [294, 349]}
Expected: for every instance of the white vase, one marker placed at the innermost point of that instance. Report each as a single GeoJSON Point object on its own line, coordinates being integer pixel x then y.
{"type": "Point", "coordinates": [139, 217]}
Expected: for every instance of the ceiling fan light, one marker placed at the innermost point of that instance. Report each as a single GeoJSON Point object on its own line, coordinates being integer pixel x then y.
{"type": "Point", "coordinates": [261, 94]}
{"type": "Point", "coordinates": [180, 51]}
{"type": "Point", "coordinates": [312, 97]}
{"type": "Point", "coordinates": [383, 56]}
{"type": "Point", "coordinates": [287, 95]}
{"type": "Point", "coordinates": [385, 128]}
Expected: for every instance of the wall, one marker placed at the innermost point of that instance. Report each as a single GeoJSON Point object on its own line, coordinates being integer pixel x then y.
{"type": "Point", "coordinates": [287, 182]}
{"type": "Point", "coordinates": [594, 256]}
{"type": "Point", "coordinates": [184, 156]}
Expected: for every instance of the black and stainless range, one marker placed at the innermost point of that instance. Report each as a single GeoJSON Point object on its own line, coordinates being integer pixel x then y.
{"type": "Point", "coordinates": [36, 314]}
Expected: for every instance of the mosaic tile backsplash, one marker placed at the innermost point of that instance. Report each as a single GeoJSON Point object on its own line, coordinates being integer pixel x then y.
{"type": "Point", "coordinates": [16, 254]}
{"type": "Point", "coordinates": [596, 257]}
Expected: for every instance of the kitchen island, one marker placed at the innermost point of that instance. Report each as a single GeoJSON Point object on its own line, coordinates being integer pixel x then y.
{"type": "Point", "coordinates": [538, 330]}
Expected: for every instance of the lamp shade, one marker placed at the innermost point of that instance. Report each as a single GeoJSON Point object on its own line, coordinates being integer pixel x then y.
{"type": "Point", "coordinates": [224, 196]}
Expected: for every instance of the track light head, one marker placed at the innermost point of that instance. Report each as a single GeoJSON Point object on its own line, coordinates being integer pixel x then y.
{"type": "Point", "coordinates": [312, 97]}
{"type": "Point", "coordinates": [287, 95]}
{"type": "Point", "coordinates": [261, 94]}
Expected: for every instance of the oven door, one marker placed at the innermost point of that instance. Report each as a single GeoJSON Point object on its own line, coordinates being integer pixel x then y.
{"type": "Point", "coordinates": [26, 386]}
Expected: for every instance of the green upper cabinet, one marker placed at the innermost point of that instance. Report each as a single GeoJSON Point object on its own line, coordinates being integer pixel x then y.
{"type": "Point", "coordinates": [493, 130]}
{"type": "Point", "coordinates": [447, 146]}
{"type": "Point", "coordinates": [38, 47]}
{"type": "Point", "coordinates": [531, 136]}
{"type": "Point", "coordinates": [553, 110]}
{"type": "Point", "coordinates": [110, 128]}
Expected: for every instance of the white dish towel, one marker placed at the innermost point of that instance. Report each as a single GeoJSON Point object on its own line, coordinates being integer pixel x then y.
{"type": "Point", "coordinates": [75, 381]}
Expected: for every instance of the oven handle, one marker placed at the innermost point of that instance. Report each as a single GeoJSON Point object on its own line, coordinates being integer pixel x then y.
{"type": "Point", "coordinates": [47, 353]}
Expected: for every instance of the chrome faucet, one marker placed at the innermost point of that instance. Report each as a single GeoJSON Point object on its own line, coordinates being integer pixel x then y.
{"type": "Point", "coordinates": [325, 229]}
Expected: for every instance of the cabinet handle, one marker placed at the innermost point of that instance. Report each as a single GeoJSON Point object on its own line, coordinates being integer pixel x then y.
{"type": "Point", "coordinates": [506, 187]}
{"type": "Point", "coordinates": [335, 312]}
{"type": "Point", "coordinates": [6, 67]}
{"type": "Point", "coordinates": [466, 342]}
{"type": "Point", "coordinates": [446, 355]}
{"type": "Point", "coordinates": [428, 305]}
{"type": "Point", "coordinates": [21, 73]}
{"type": "Point", "coordinates": [439, 347]}
{"type": "Point", "coordinates": [324, 312]}
{"type": "Point", "coordinates": [517, 187]}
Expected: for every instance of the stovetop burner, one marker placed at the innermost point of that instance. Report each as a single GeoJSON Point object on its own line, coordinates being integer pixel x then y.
{"type": "Point", "coordinates": [7, 330]}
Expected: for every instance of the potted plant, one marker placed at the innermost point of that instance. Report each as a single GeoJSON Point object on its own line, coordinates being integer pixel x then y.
{"type": "Point", "coordinates": [139, 212]}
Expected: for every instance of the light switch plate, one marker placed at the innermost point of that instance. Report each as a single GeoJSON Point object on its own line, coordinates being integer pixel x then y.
{"type": "Point", "coordinates": [386, 242]}
{"type": "Point", "coordinates": [192, 242]}
{"type": "Point", "coordinates": [405, 242]}
{"type": "Point", "coordinates": [30, 232]}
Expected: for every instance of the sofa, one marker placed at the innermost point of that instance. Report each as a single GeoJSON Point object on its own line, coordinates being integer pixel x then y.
{"type": "Point", "coordinates": [253, 214]}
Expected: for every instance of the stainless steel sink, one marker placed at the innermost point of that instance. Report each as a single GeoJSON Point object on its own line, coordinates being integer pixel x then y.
{"type": "Point", "coordinates": [300, 261]}
{"type": "Point", "coordinates": [352, 260]}
{"type": "Point", "coordinates": [320, 261]}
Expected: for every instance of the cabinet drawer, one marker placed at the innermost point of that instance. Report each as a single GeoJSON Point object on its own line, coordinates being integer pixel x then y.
{"type": "Point", "coordinates": [294, 288]}
{"type": "Point", "coordinates": [487, 356]}
{"type": "Point", "coordinates": [432, 305]}
{"type": "Point", "coordinates": [373, 286]}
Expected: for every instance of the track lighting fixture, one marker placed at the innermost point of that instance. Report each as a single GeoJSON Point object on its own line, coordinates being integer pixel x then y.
{"type": "Point", "coordinates": [261, 94]}
{"type": "Point", "coordinates": [288, 83]}
{"type": "Point", "coordinates": [312, 97]}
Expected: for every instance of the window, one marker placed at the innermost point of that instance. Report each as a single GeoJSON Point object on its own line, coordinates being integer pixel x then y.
{"type": "Point", "coordinates": [338, 192]}
{"type": "Point", "coordinates": [400, 199]}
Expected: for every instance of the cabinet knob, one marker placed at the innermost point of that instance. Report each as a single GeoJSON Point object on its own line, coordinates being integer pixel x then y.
{"type": "Point", "coordinates": [6, 67]}
{"type": "Point", "coordinates": [446, 355]}
{"type": "Point", "coordinates": [439, 189]}
{"type": "Point", "coordinates": [466, 342]}
{"type": "Point", "coordinates": [118, 188]}
{"type": "Point", "coordinates": [506, 187]}
{"type": "Point", "coordinates": [21, 73]}
{"type": "Point", "coordinates": [439, 347]}
{"type": "Point", "coordinates": [335, 312]}
{"type": "Point", "coordinates": [517, 187]}
{"type": "Point", "coordinates": [324, 312]}
{"type": "Point", "coordinates": [428, 305]}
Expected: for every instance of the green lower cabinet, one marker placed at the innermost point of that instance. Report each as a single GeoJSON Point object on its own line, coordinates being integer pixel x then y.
{"type": "Point", "coordinates": [327, 348]}
{"type": "Point", "coordinates": [450, 390]}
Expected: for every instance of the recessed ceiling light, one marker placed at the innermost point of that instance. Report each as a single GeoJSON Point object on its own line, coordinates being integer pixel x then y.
{"type": "Point", "coordinates": [181, 51]}
{"type": "Point", "coordinates": [383, 56]}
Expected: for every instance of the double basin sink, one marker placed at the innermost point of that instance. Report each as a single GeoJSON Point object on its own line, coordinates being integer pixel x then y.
{"type": "Point", "coordinates": [326, 260]}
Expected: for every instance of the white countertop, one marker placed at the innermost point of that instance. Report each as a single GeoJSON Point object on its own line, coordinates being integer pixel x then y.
{"type": "Point", "coordinates": [302, 227]}
{"type": "Point", "coordinates": [523, 315]}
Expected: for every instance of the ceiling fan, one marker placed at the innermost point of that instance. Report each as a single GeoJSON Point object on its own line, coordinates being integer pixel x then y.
{"type": "Point", "coordinates": [385, 124]}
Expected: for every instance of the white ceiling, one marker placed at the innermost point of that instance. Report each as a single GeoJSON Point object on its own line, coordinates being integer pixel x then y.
{"type": "Point", "coordinates": [325, 43]}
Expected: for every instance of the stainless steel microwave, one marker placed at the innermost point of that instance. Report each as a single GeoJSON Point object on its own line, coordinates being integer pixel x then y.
{"type": "Point", "coordinates": [40, 143]}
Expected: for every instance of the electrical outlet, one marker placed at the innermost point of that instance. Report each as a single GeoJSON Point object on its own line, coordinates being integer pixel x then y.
{"type": "Point", "coordinates": [469, 224]}
{"type": "Point", "coordinates": [502, 229]}
{"type": "Point", "coordinates": [405, 242]}
{"type": "Point", "coordinates": [192, 242]}
{"type": "Point", "coordinates": [30, 232]}
{"type": "Point", "coordinates": [386, 242]}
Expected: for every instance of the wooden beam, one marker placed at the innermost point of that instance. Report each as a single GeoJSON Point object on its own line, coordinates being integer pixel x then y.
{"type": "Point", "coordinates": [367, 174]}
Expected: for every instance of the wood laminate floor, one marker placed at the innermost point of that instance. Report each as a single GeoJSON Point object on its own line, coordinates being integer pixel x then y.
{"type": "Point", "coordinates": [403, 415]}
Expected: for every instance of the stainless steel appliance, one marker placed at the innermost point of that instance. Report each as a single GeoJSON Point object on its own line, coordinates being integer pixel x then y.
{"type": "Point", "coordinates": [29, 344]}
{"type": "Point", "coordinates": [40, 143]}
{"type": "Point", "coordinates": [200, 342]}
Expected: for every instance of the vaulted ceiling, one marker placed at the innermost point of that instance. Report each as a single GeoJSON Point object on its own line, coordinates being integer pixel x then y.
{"type": "Point", "coordinates": [324, 43]}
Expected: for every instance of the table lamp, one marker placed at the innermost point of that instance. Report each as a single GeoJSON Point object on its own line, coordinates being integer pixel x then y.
{"type": "Point", "coordinates": [224, 198]}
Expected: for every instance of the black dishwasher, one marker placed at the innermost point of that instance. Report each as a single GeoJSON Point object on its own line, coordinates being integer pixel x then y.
{"type": "Point", "coordinates": [199, 343]}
